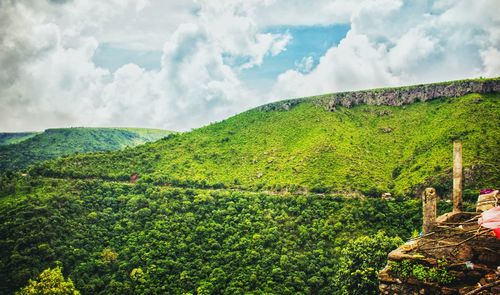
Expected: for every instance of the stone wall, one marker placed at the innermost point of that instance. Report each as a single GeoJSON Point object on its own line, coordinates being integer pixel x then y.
{"type": "Point", "coordinates": [393, 96]}
{"type": "Point", "coordinates": [471, 256]}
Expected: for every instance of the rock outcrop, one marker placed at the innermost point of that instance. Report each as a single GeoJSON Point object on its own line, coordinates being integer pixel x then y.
{"type": "Point", "coordinates": [456, 257]}
{"type": "Point", "coordinates": [393, 96]}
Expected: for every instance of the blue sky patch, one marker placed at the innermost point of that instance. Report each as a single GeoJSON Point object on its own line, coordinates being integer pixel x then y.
{"type": "Point", "coordinates": [307, 41]}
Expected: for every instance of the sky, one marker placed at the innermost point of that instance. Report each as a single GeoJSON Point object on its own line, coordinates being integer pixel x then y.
{"type": "Point", "coordinates": [180, 65]}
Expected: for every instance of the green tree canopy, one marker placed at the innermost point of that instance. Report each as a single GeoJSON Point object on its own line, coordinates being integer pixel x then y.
{"type": "Point", "coordinates": [50, 282]}
{"type": "Point", "coordinates": [360, 262]}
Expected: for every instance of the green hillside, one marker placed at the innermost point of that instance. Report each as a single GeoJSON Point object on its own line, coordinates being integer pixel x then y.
{"type": "Point", "coordinates": [53, 143]}
{"type": "Point", "coordinates": [366, 148]}
{"type": "Point", "coordinates": [15, 137]}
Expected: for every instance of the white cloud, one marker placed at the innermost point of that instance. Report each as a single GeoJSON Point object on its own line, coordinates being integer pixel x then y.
{"type": "Point", "coordinates": [355, 63]}
{"type": "Point", "coordinates": [57, 84]}
{"type": "Point", "coordinates": [45, 53]}
{"type": "Point", "coordinates": [199, 85]}
{"type": "Point", "coordinates": [305, 65]}
{"type": "Point", "coordinates": [491, 61]}
{"type": "Point", "coordinates": [48, 78]}
{"type": "Point", "coordinates": [141, 4]}
{"type": "Point", "coordinates": [145, 25]}
{"type": "Point", "coordinates": [392, 42]}
{"type": "Point", "coordinates": [232, 28]}
{"type": "Point", "coordinates": [305, 13]}
{"type": "Point", "coordinates": [149, 23]}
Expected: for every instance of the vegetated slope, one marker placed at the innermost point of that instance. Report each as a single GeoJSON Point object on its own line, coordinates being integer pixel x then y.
{"type": "Point", "coordinates": [53, 143]}
{"type": "Point", "coordinates": [118, 238]}
{"type": "Point", "coordinates": [365, 148]}
{"type": "Point", "coordinates": [15, 137]}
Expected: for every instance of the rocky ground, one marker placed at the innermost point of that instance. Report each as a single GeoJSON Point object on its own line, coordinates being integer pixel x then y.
{"type": "Point", "coordinates": [455, 257]}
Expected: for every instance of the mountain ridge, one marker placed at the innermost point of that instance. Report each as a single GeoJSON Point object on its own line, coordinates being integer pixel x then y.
{"type": "Point", "coordinates": [391, 96]}
{"type": "Point", "coordinates": [365, 148]}
{"type": "Point", "coordinates": [56, 142]}
{"type": "Point", "coordinates": [7, 138]}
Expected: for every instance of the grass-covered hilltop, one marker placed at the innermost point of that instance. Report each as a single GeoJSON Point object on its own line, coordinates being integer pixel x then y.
{"type": "Point", "coordinates": [18, 150]}
{"type": "Point", "coordinates": [280, 199]}
{"type": "Point", "coordinates": [399, 145]}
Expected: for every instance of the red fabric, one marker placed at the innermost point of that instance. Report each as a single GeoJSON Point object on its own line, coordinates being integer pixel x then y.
{"type": "Point", "coordinates": [497, 232]}
{"type": "Point", "coordinates": [486, 191]}
{"type": "Point", "coordinates": [491, 219]}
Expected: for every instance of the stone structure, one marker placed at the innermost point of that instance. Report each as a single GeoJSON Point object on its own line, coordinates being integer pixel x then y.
{"type": "Point", "coordinates": [454, 255]}
{"type": "Point", "coordinates": [457, 176]}
{"type": "Point", "coordinates": [486, 201]}
{"type": "Point", "coordinates": [392, 96]}
{"type": "Point", "coordinates": [458, 248]}
{"type": "Point", "coordinates": [429, 209]}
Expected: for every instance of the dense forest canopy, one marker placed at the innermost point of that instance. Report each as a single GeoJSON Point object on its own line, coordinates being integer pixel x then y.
{"type": "Point", "coordinates": [117, 238]}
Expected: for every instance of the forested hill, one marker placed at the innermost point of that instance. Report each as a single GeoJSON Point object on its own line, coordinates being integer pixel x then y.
{"type": "Point", "coordinates": [22, 149]}
{"type": "Point", "coordinates": [385, 140]}
{"type": "Point", "coordinates": [15, 137]}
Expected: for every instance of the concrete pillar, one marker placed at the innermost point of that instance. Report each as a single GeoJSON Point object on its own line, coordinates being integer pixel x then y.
{"type": "Point", "coordinates": [429, 209]}
{"type": "Point", "coordinates": [457, 176]}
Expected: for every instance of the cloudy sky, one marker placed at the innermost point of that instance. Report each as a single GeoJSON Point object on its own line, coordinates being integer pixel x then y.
{"type": "Point", "coordinates": [183, 64]}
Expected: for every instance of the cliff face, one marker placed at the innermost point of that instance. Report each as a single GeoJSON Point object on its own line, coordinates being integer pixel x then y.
{"type": "Point", "coordinates": [456, 257]}
{"type": "Point", "coordinates": [393, 96]}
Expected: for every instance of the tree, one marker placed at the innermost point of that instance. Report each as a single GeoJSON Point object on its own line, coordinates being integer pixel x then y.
{"type": "Point", "coordinates": [360, 262]}
{"type": "Point", "coordinates": [108, 255]}
{"type": "Point", "coordinates": [137, 275]}
{"type": "Point", "coordinates": [50, 282]}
